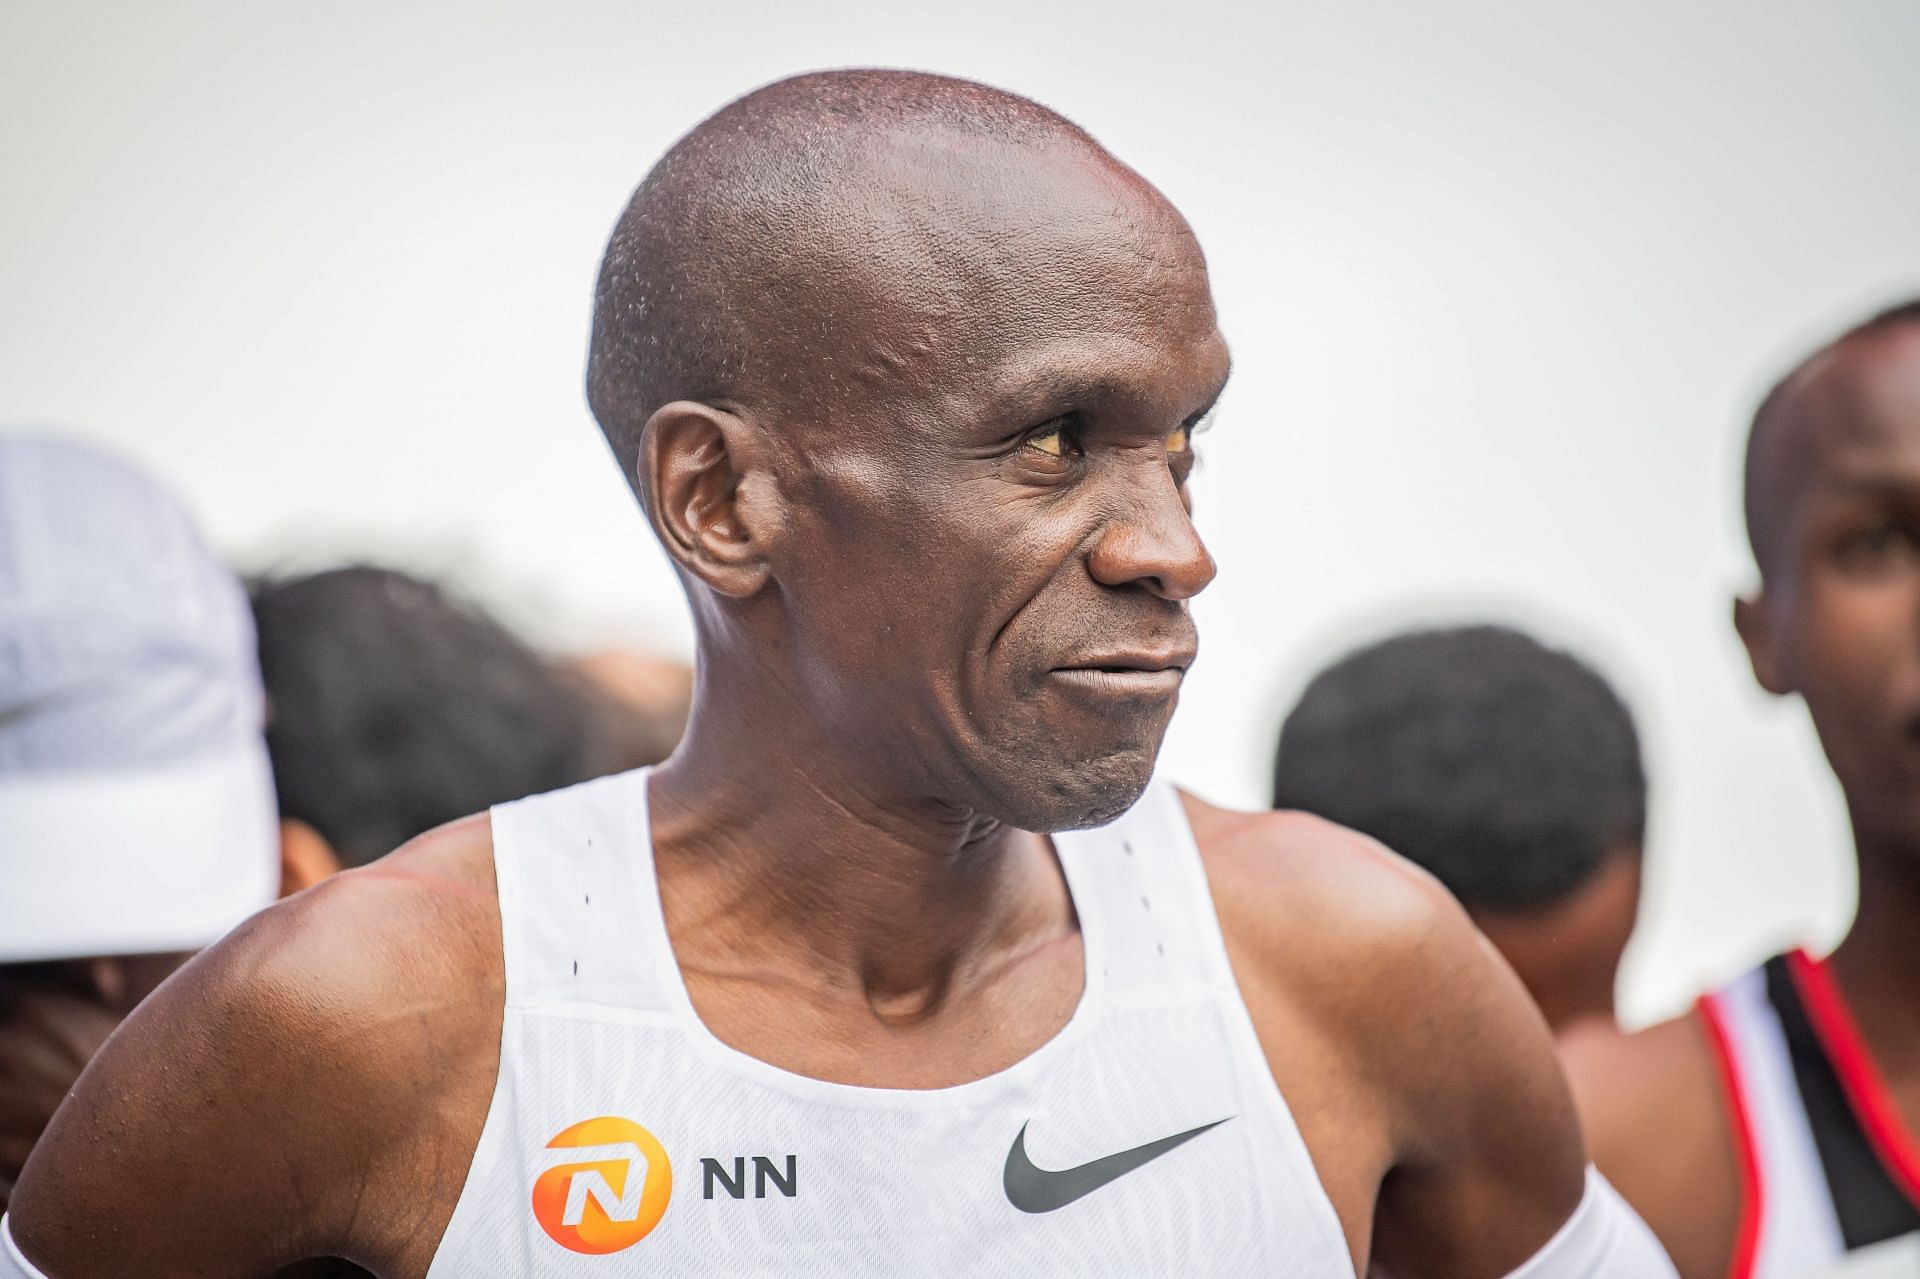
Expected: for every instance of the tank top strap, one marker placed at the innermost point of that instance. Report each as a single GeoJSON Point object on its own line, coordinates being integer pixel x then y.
{"type": "Point", "coordinates": [1146, 915]}
{"type": "Point", "coordinates": [580, 923]}
{"type": "Point", "coordinates": [1789, 1224]}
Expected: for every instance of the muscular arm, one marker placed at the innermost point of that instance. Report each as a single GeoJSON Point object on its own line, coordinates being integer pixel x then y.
{"type": "Point", "coordinates": [1422, 1077]}
{"type": "Point", "coordinates": [311, 1086]}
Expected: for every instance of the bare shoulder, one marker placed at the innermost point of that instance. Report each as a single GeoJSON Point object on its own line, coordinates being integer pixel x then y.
{"type": "Point", "coordinates": [1262, 857]}
{"type": "Point", "coordinates": [1418, 1069]}
{"type": "Point", "coordinates": [1655, 1117]}
{"type": "Point", "coordinates": [1626, 1082]}
{"type": "Point", "coordinates": [339, 1042]}
{"type": "Point", "coordinates": [414, 921]}
{"type": "Point", "coordinates": [1354, 927]}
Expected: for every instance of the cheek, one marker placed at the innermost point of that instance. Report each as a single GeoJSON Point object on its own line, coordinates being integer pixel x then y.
{"type": "Point", "coordinates": [900, 586]}
{"type": "Point", "coordinates": [1856, 644]}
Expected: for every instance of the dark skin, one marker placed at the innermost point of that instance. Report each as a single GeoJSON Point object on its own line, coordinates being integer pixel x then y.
{"type": "Point", "coordinates": [1837, 622]}
{"type": "Point", "coordinates": [875, 907]}
{"type": "Point", "coordinates": [1567, 952]}
{"type": "Point", "coordinates": [55, 1015]}
{"type": "Point", "coordinates": [53, 1018]}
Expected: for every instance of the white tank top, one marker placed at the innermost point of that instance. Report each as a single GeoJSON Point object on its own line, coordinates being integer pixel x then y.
{"type": "Point", "coordinates": [1146, 1138]}
{"type": "Point", "coordinates": [1818, 1200]}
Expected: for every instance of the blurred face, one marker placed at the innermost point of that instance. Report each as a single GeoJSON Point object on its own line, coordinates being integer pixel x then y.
{"type": "Point", "coordinates": [53, 1018]}
{"type": "Point", "coordinates": [988, 552]}
{"type": "Point", "coordinates": [1838, 620]}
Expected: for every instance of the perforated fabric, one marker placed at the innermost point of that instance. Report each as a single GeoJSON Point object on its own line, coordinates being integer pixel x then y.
{"type": "Point", "coordinates": [771, 1173]}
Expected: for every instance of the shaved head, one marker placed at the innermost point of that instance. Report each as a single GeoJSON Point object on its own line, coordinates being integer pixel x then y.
{"type": "Point", "coordinates": [1822, 389]}
{"type": "Point", "coordinates": [817, 235]}
{"type": "Point", "coordinates": [905, 372]}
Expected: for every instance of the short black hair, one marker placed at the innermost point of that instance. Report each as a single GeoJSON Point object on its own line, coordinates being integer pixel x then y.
{"type": "Point", "coordinates": [1509, 770]}
{"type": "Point", "coordinates": [393, 708]}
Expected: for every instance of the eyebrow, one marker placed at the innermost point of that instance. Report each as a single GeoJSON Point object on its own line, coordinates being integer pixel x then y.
{"type": "Point", "coordinates": [1857, 481]}
{"type": "Point", "coordinates": [1079, 386]}
{"type": "Point", "coordinates": [1213, 401]}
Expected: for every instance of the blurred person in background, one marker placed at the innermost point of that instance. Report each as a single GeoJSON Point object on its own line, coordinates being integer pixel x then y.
{"type": "Point", "coordinates": [136, 806]}
{"type": "Point", "coordinates": [394, 708]}
{"type": "Point", "coordinates": [1510, 771]}
{"type": "Point", "coordinates": [137, 802]}
{"type": "Point", "coordinates": [1771, 1134]}
{"type": "Point", "coordinates": [658, 692]}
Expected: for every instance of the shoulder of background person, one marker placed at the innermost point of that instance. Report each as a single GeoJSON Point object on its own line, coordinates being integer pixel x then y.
{"type": "Point", "coordinates": [1656, 1119]}
{"type": "Point", "coordinates": [312, 1085]}
{"type": "Point", "coordinates": [1381, 1006]}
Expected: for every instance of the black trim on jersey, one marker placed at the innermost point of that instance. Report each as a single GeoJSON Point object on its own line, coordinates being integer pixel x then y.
{"type": "Point", "coordinates": [1868, 1202]}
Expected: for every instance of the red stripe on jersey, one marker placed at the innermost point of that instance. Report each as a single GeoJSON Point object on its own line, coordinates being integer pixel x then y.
{"type": "Point", "coordinates": [1867, 1092]}
{"type": "Point", "coordinates": [1753, 1197]}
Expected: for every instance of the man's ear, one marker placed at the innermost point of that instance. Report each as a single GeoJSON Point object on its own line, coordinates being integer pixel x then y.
{"type": "Point", "coordinates": [693, 471]}
{"type": "Point", "coordinates": [306, 857]}
{"type": "Point", "coordinates": [1753, 619]}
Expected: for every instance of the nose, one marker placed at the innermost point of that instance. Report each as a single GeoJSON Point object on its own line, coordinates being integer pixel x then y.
{"type": "Point", "coordinates": [1151, 541]}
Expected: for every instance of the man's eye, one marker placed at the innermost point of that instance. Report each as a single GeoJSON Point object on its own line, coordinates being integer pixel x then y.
{"type": "Point", "coordinates": [1876, 546]}
{"type": "Point", "coordinates": [1052, 442]}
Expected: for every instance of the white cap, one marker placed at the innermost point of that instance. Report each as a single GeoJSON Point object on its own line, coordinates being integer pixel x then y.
{"type": "Point", "coordinates": [136, 804]}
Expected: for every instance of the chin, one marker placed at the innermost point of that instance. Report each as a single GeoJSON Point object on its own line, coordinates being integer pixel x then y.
{"type": "Point", "coordinates": [1058, 795]}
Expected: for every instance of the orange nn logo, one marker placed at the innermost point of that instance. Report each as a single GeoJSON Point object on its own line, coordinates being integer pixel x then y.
{"type": "Point", "coordinates": [604, 1185]}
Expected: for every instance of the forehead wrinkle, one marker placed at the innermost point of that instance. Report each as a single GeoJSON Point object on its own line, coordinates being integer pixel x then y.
{"type": "Point", "coordinates": [903, 268]}
{"type": "Point", "coordinates": [835, 252]}
{"type": "Point", "coordinates": [928, 317]}
{"type": "Point", "coordinates": [990, 213]}
{"type": "Point", "coordinates": [1114, 369]}
{"type": "Point", "coordinates": [682, 305]}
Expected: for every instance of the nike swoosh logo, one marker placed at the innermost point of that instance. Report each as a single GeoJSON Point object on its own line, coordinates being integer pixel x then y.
{"type": "Point", "coordinates": [1032, 1189]}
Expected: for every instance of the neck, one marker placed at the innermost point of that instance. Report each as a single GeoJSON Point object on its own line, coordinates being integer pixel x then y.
{"type": "Point", "coordinates": [782, 860]}
{"type": "Point", "coordinates": [1878, 961]}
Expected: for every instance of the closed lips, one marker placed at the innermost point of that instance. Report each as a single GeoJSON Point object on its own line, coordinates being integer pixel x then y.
{"type": "Point", "coordinates": [1141, 674]}
{"type": "Point", "coordinates": [1138, 661]}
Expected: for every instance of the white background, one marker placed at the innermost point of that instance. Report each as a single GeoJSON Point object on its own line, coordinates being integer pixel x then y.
{"type": "Point", "coordinates": [1503, 281]}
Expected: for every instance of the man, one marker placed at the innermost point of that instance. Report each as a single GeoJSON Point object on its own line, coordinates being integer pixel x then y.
{"type": "Point", "coordinates": [1771, 1134]}
{"type": "Point", "coordinates": [394, 708]}
{"type": "Point", "coordinates": [904, 371]}
{"type": "Point", "coordinates": [1509, 771]}
{"type": "Point", "coordinates": [136, 805]}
